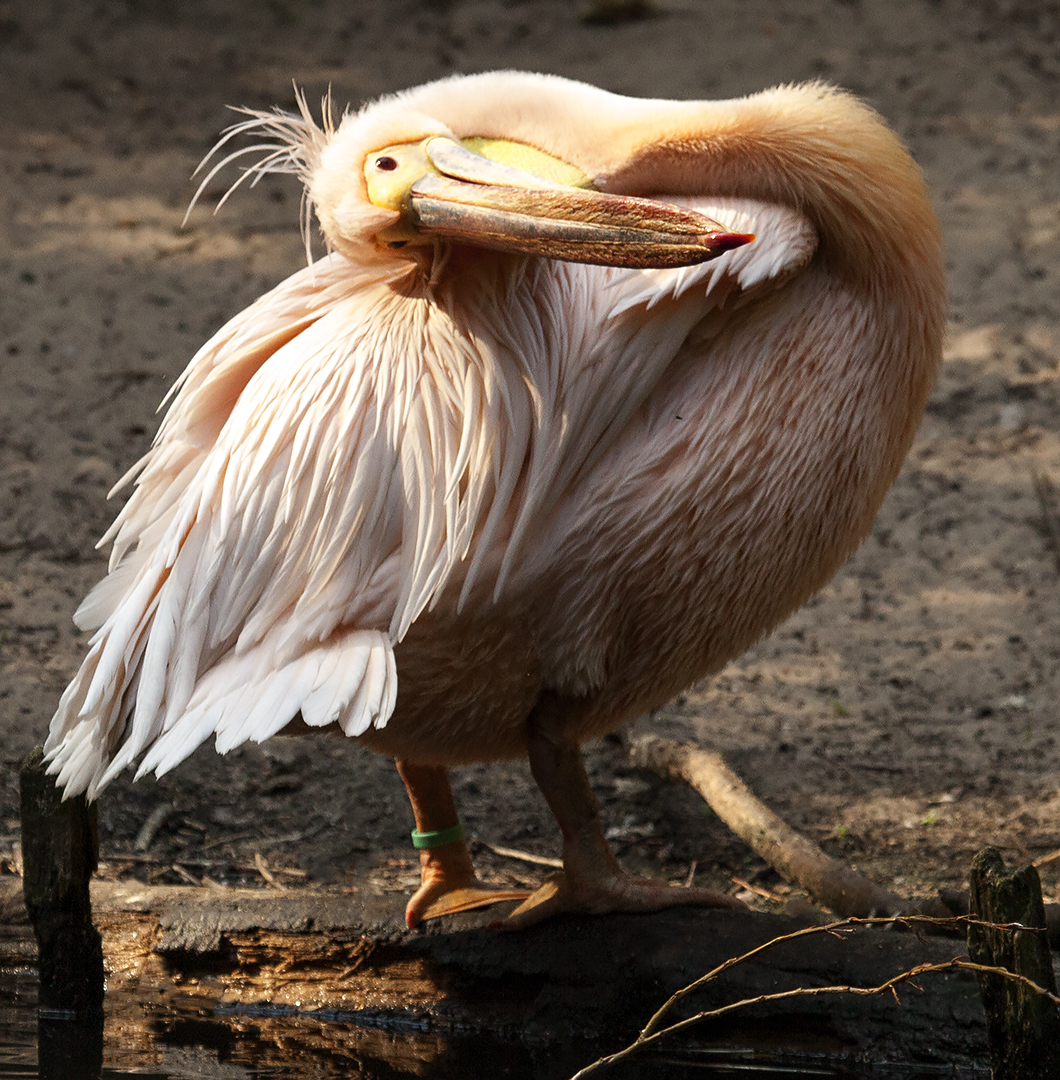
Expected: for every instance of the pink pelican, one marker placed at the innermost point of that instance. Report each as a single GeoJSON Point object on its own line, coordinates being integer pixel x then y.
{"type": "Point", "coordinates": [587, 395]}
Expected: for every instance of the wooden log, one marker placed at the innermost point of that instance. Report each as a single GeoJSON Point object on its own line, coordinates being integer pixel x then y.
{"type": "Point", "coordinates": [337, 960]}
{"type": "Point", "coordinates": [59, 854]}
{"type": "Point", "coordinates": [1023, 1027]}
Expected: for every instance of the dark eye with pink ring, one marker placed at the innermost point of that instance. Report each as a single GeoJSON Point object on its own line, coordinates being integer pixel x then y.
{"type": "Point", "coordinates": [385, 164]}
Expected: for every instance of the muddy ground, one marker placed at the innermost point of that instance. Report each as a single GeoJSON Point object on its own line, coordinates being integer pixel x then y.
{"type": "Point", "coordinates": [907, 716]}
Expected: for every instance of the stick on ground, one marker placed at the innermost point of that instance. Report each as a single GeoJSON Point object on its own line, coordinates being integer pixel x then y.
{"type": "Point", "coordinates": [797, 859]}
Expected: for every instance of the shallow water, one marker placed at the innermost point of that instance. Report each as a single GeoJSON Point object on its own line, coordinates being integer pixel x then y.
{"type": "Point", "coordinates": [144, 1040]}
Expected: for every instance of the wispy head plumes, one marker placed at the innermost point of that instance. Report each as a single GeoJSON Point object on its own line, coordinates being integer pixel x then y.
{"type": "Point", "coordinates": [297, 142]}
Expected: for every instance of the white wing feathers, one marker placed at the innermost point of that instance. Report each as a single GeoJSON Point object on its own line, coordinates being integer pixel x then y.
{"type": "Point", "coordinates": [190, 631]}
{"type": "Point", "coordinates": [333, 459]}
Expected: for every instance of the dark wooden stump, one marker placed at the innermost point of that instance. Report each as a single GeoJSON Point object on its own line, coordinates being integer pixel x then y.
{"type": "Point", "coordinates": [1023, 1026]}
{"type": "Point", "coordinates": [59, 853]}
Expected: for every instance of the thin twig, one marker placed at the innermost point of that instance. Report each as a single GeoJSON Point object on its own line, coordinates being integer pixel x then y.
{"type": "Point", "coordinates": [155, 820]}
{"type": "Point", "coordinates": [189, 878]}
{"type": "Point", "coordinates": [263, 868]}
{"type": "Point", "coordinates": [1045, 860]}
{"type": "Point", "coordinates": [757, 890]}
{"type": "Point", "coordinates": [651, 1033]}
{"type": "Point", "coordinates": [1043, 488]}
{"type": "Point", "coordinates": [522, 856]}
{"type": "Point", "coordinates": [841, 927]}
{"type": "Point", "coordinates": [288, 838]}
{"type": "Point", "coordinates": [154, 860]}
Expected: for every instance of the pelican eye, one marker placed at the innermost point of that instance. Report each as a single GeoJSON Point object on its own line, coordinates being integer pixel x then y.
{"type": "Point", "coordinates": [389, 174]}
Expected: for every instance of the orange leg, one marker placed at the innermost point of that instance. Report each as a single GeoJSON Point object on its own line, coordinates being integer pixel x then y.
{"type": "Point", "coordinates": [591, 881]}
{"type": "Point", "coordinates": [447, 875]}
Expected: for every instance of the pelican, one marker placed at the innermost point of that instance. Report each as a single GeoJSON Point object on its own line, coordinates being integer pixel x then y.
{"type": "Point", "coordinates": [587, 395]}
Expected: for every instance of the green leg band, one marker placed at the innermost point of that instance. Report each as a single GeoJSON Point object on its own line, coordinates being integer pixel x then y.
{"type": "Point", "coordinates": [439, 838]}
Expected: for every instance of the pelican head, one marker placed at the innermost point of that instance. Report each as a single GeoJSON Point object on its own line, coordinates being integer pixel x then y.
{"type": "Point", "coordinates": [442, 187]}
{"type": "Point", "coordinates": [434, 187]}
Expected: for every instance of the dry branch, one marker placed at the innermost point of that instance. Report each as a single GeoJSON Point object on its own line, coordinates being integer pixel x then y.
{"type": "Point", "coordinates": [653, 1032]}
{"type": "Point", "coordinates": [797, 859]}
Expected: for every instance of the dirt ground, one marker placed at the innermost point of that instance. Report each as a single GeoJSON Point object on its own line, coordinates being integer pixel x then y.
{"type": "Point", "coordinates": [906, 716]}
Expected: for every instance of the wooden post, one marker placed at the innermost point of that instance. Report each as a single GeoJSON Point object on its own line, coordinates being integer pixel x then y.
{"type": "Point", "coordinates": [1023, 1027]}
{"type": "Point", "coordinates": [59, 854]}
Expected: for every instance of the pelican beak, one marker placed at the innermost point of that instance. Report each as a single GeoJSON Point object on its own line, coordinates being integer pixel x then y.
{"type": "Point", "coordinates": [474, 199]}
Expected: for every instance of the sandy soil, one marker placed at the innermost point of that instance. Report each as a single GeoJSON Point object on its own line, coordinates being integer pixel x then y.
{"type": "Point", "coordinates": [907, 715]}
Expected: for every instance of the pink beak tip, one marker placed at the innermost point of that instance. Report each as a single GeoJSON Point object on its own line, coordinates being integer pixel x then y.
{"type": "Point", "coordinates": [728, 241]}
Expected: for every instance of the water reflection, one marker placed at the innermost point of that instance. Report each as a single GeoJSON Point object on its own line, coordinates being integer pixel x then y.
{"type": "Point", "coordinates": [69, 1046]}
{"type": "Point", "coordinates": [175, 1037]}
{"type": "Point", "coordinates": [259, 1045]}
